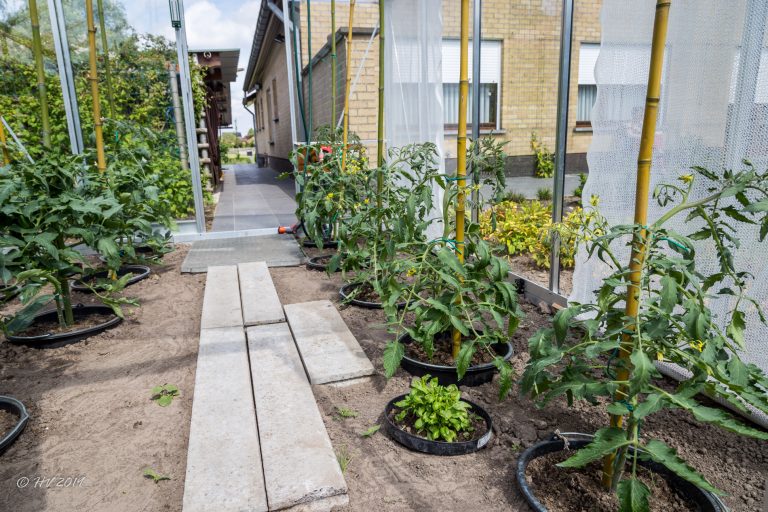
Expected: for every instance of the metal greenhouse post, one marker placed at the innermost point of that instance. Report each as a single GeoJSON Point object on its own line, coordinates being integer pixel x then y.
{"type": "Point", "coordinates": [182, 55]}
{"type": "Point", "coordinates": [476, 45]}
{"type": "Point", "coordinates": [561, 143]}
{"type": "Point", "coordinates": [71, 108]}
{"type": "Point", "coordinates": [93, 77]}
{"type": "Point", "coordinates": [644, 160]}
{"type": "Point", "coordinates": [461, 149]}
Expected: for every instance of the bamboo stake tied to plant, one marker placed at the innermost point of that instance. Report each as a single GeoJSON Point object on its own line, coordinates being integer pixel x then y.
{"type": "Point", "coordinates": [461, 149]}
{"type": "Point", "coordinates": [380, 127]}
{"type": "Point", "coordinates": [37, 49]}
{"type": "Point", "coordinates": [348, 86]}
{"type": "Point", "coordinates": [645, 158]}
{"type": "Point", "coordinates": [105, 50]}
{"type": "Point", "coordinates": [93, 77]}
{"type": "Point", "coordinates": [4, 145]}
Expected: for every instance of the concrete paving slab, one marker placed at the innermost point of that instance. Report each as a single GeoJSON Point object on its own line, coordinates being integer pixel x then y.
{"type": "Point", "coordinates": [258, 295]}
{"type": "Point", "coordinates": [224, 470]}
{"type": "Point", "coordinates": [328, 348]}
{"type": "Point", "coordinates": [221, 302]}
{"type": "Point", "coordinates": [276, 250]}
{"type": "Point", "coordinates": [300, 468]}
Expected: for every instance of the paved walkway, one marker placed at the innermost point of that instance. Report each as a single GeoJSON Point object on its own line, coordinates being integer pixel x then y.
{"type": "Point", "coordinates": [254, 198]}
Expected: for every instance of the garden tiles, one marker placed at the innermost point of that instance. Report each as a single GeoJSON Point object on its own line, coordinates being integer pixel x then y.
{"type": "Point", "coordinates": [328, 348]}
{"type": "Point", "coordinates": [300, 467]}
{"type": "Point", "coordinates": [224, 469]}
{"type": "Point", "coordinates": [260, 302]}
{"type": "Point", "coordinates": [276, 250]}
{"type": "Point", "coordinates": [221, 303]}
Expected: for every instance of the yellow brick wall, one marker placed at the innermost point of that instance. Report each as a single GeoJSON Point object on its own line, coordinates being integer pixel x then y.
{"type": "Point", "coordinates": [530, 35]}
{"type": "Point", "coordinates": [274, 139]}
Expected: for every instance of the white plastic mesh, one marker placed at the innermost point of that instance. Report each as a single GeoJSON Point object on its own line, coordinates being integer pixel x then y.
{"type": "Point", "coordinates": [713, 113]}
{"type": "Point", "coordinates": [413, 89]}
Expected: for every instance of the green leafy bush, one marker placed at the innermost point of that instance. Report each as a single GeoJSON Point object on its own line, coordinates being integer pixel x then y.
{"type": "Point", "coordinates": [544, 194]}
{"type": "Point", "coordinates": [526, 228]}
{"type": "Point", "coordinates": [598, 350]}
{"type": "Point", "coordinates": [436, 411]}
{"type": "Point", "coordinates": [582, 181]}
{"type": "Point", "coordinates": [545, 159]}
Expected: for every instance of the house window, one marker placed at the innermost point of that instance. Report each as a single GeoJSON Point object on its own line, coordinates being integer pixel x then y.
{"type": "Point", "coordinates": [587, 85]}
{"type": "Point", "coordinates": [490, 84]}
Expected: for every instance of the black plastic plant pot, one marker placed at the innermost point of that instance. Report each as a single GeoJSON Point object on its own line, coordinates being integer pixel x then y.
{"type": "Point", "coordinates": [705, 500]}
{"type": "Point", "coordinates": [446, 375]}
{"type": "Point", "coordinates": [346, 293]}
{"type": "Point", "coordinates": [53, 340]}
{"type": "Point", "coordinates": [320, 263]}
{"type": "Point", "coordinates": [16, 408]}
{"type": "Point", "coordinates": [424, 445]}
{"type": "Point", "coordinates": [327, 243]}
{"type": "Point", "coordinates": [8, 293]}
{"type": "Point", "coordinates": [139, 272]}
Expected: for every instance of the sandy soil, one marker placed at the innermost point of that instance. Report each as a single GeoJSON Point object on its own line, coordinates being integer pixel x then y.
{"type": "Point", "coordinates": [90, 408]}
{"type": "Point", "coordinates": [383, 476]}
{"type": "Point", "coordinates": [524, 266]}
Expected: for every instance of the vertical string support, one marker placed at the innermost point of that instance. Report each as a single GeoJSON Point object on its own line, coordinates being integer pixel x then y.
{"type": "Point", "coordinates": [105, 51]}
{"type": "Point", "coordinates": [461, 148]}
{"type": "Point", "coordinates": [93, 77]}
{"type": "Point", "coordinates": [348, 86]}
{"type": "Point", "coordinates": [645, 157]}
{"type": "Point", "coordinates": [42, 93]}
{"type": "Point", "coordinates": [309, 71]}
{"type": "Point", "coordinates": [380, 120]}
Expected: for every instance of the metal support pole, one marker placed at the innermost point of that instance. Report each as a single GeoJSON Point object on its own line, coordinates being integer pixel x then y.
{"type": "Point", "coordinates": [61, 45]}
{"type": "Point", "coordinates": [37, 49]}
{"type": "Point", "coordinates": [182, 54]}
{"type": "Point", "coordinates": [289, 76]}
{"type": "Point", "coordinates": [178, 115]}
{"type": "Point", "coordinates": [16, 140]}
{"type": "Point", "coordinates": [477, 33]}
{"type": "Point", "coordinates": [561, 142]}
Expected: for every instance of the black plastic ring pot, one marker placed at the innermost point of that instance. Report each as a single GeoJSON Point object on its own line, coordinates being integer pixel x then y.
{"type": "Point", "coordinates": [17, 408]}
{"type": "Point", "coordinates": [139, 272]}
{"type": "Point", "coordinates": [317, 264]}
{"type": "Point", "coordinates": [705, 500]}
{"type": "Point", "coordinates": [140, 250]}
{"type": "Point", "coordinates": [422, 444]}
{"type": "Point", "coordinates": [346, 291]}
{"type": "Point", "coordinates": [8, 293]}
{"type": "Point", "coordinates": [51, 340]}
{"type": "Point", "coordinates": [446, 375]}
{"type": "Point", "coordinates": [327, 244]}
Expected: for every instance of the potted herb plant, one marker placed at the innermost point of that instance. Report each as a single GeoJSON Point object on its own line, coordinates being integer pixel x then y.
{"type": "Point", "coordinates": [435, 419]}
{"type": "Point", "coordinates": [596, 350]}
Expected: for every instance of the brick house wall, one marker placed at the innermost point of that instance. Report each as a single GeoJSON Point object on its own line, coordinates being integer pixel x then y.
{"type": "Point", "coordinates": [529, 32]}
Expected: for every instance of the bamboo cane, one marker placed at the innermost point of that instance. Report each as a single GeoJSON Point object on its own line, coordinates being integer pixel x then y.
{"type": "Point", "coordinates": [645, 157]}
{"type": "Point", "coordinates": [93, 77]}
{"type": "Point", "coordinates": [348, 86]}
{"type": "Point", "coordinates": [4, 146]}
{"type": "Point", "coordinates": [105, 50]}
{"type": "Point", "coordinates": [380, 127]}
{"type": "Point", "coordinates": [461, 148]}
{"type": "Point", "coordinates": [333, 64]}
{"type": "Point", "coordinates": [42, 93]}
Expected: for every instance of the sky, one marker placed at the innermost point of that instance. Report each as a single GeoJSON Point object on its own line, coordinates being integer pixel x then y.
{"type": "Point", "coordinates": [220, 24]}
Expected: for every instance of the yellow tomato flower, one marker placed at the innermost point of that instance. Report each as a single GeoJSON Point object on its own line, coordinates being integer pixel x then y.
{"type": "Point", "coordinates": [686, 178]}
{"type": "Point", "coordinates": [697, 345]}
{"type": "Point", "coordinates": [594, 200]}
{"type": "Point", "coordinates": [659, 356]}
{"type": "Point", "coordinates": [329, 195]}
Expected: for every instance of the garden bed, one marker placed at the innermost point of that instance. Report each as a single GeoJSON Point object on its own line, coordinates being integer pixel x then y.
{"type": "Point", "coordinates": [384, 476]}
{"type": "Point", "coordinates": [90, 410]}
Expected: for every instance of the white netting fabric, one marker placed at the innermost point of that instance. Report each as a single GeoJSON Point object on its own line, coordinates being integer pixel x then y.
{"type": "Point", "coordinates": [713, 113]}
{"type": "Point", "coordinates": [413, 88]}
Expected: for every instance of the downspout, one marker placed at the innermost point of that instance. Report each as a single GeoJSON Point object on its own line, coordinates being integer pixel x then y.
{"type": "Point", "coordinates": [255, 139]}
